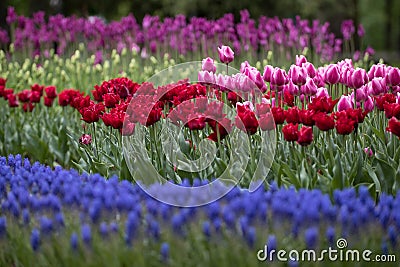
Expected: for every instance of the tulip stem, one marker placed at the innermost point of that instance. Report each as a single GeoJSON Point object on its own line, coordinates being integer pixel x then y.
{"type": "Point", "coordinates": [95, 142]}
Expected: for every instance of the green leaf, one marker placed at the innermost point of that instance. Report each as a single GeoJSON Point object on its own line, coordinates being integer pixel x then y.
{"type": "Point", "coordinates": [374, 178]}
{"type": "Point", "coordinates": [338, 176]}
{"type": "Point", "coordinates": [290, 174]}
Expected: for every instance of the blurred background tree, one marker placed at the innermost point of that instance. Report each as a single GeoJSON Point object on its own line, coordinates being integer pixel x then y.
{"type": "Point", "coordinates": [381, 19]}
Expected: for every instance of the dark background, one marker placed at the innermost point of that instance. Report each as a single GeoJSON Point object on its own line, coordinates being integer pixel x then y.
{"type": "Point", "coordinates": [381, 19]}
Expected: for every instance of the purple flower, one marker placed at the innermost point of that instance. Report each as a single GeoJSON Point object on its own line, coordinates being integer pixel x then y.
{"type": "Point", "coordinates": [35, 239]}
{"type": "Point", "coordinates": [103, 229]}
{"type": "Point", "coordinates": [74, 241]}
{"type": "Point", "coordinates": [86, 234]}
{"type": "Point", "coordinates": [46, 225]}
{"type": "Point", "coordinates": [3, 226]}
{"type": "Point", "coordinates": [164, 251]}
{"type": "Point", "coordinates": [11, 15]}
{"type": "Point", "coordinates": [226, 54]}
{"type": "Point", "coordinates": [360, 30]}
{"type": "Point", "coordinates": [347, 29]}
{"type": "Point", "coordinates": [206, 229]}
{"type": "Point", "coordinates": [311, 237]}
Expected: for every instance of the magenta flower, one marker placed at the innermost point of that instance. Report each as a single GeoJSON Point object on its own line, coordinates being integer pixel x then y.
{"type": "Point", "coordinates": [360, 30]}
{"type": "Point", "coordinates": [226, 54]}
{"type": "Point", "coordinates": [268, 70]}
{"type": "Point", "coordinates": [332, 75]}
{"type": "Point", "coordinates": [279, 77]}
{"type": "Point", "coordinates": [208, 65]}
{"type": "Point", "coordinates": [359, 78]}
{"type": "Point", "coordinates": [368, 151]}
{"type": "Point", "coordinates": [393, 76]}
{"type": "Point", "coordinates": [344, 103]}
{"type": "Point", "coordinates": [369, 104]}
{"type": "Point", "coordinates": [85, 139]}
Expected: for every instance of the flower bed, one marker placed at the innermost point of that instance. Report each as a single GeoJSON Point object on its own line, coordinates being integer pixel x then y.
{"type": "Point", "coordinates": [52, 217]}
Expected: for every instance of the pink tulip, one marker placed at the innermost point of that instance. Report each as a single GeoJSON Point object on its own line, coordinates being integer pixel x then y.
{"type": "Point", "coordinates": [311, 71]}
{"type": "Point", "coordinates": [244, 65]}
{"type": "Point", "coordinates": [297, 74]}
{"type": "Point", "coordinates": [255, 76]}
{"type": "Point", "coordinates": [279, 78]}
{"type": "Point", "coordinates": [300, 60]}
{"type": "Point", "coordinates": [393, 76]}
{"type": "Point", "coordinates": [322, 92]}
{"type": "Point", "coordinates": [332, 75]}
{"type": "Point", "coordinates": [377, 70]}
{"type": "Point", "coordinates": [377, 86]}
{"type": "Point", "coordinates": [369, 104]}
{"type": "Point", "coordinates": [344, 103]}
{"type": "Point", "coordinates": [226, 55]}
{"type": "Point", "coordinates": [208, 65]}
{"type": "Point", "coordinates": [292, 88]}
{"type": "Point", "coordinates": [359, 78]}
{"type": "Point", "coordinates": [268, 70]}
{"type": "Point", "coordinates": [309, 88]}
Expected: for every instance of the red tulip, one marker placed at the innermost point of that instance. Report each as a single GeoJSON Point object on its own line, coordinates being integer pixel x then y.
{"type": "Point", "coordinates": [324, 122]}
{"type": "Point", "coordinates": [292, 115]}
{"type": "Point", "coordinates": [114, 120]}
{"type": "Point", "coordinates": [110, 100]}
{"type": "Point", "coordinates": [92, 113]}
{"type": "Point", "coordinates": [279, 115]}
{"type": "Point", "coordinates": [25, 95]}
{"type": "Point", "coordinates": [37, 88]}
{"type": "Point", "coordinates": [290, 132]}
{"type": "Point", "coordinates": [35, 97]}
{"type": "Point", "coordinates": [197, 123]}
{"type": "Point", "coordinates": [394, 126]}
{"type": "Point", "coordinates": [50, 91]}
{"type": "Point", "coordinates": [344, 125]}
{"type": "Point", "coordinates": [246, 119]}
{"type": "Point", "coordinates": [305, 136]}
{"type": "Point", "coordinates": [48, 102]}
{"type": "Point", "coordinates": [12, 101]}
{"type": "Point", "coordinates": [385, 99]}
{"type": "Point", "coordinates": [3, 81]}
{"type": "Point", "coordinates": [322, 104]}
{"type": "Point", "coordinates": [392, 110]}
{"type": "Point", "coordinates": [306, 117]}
